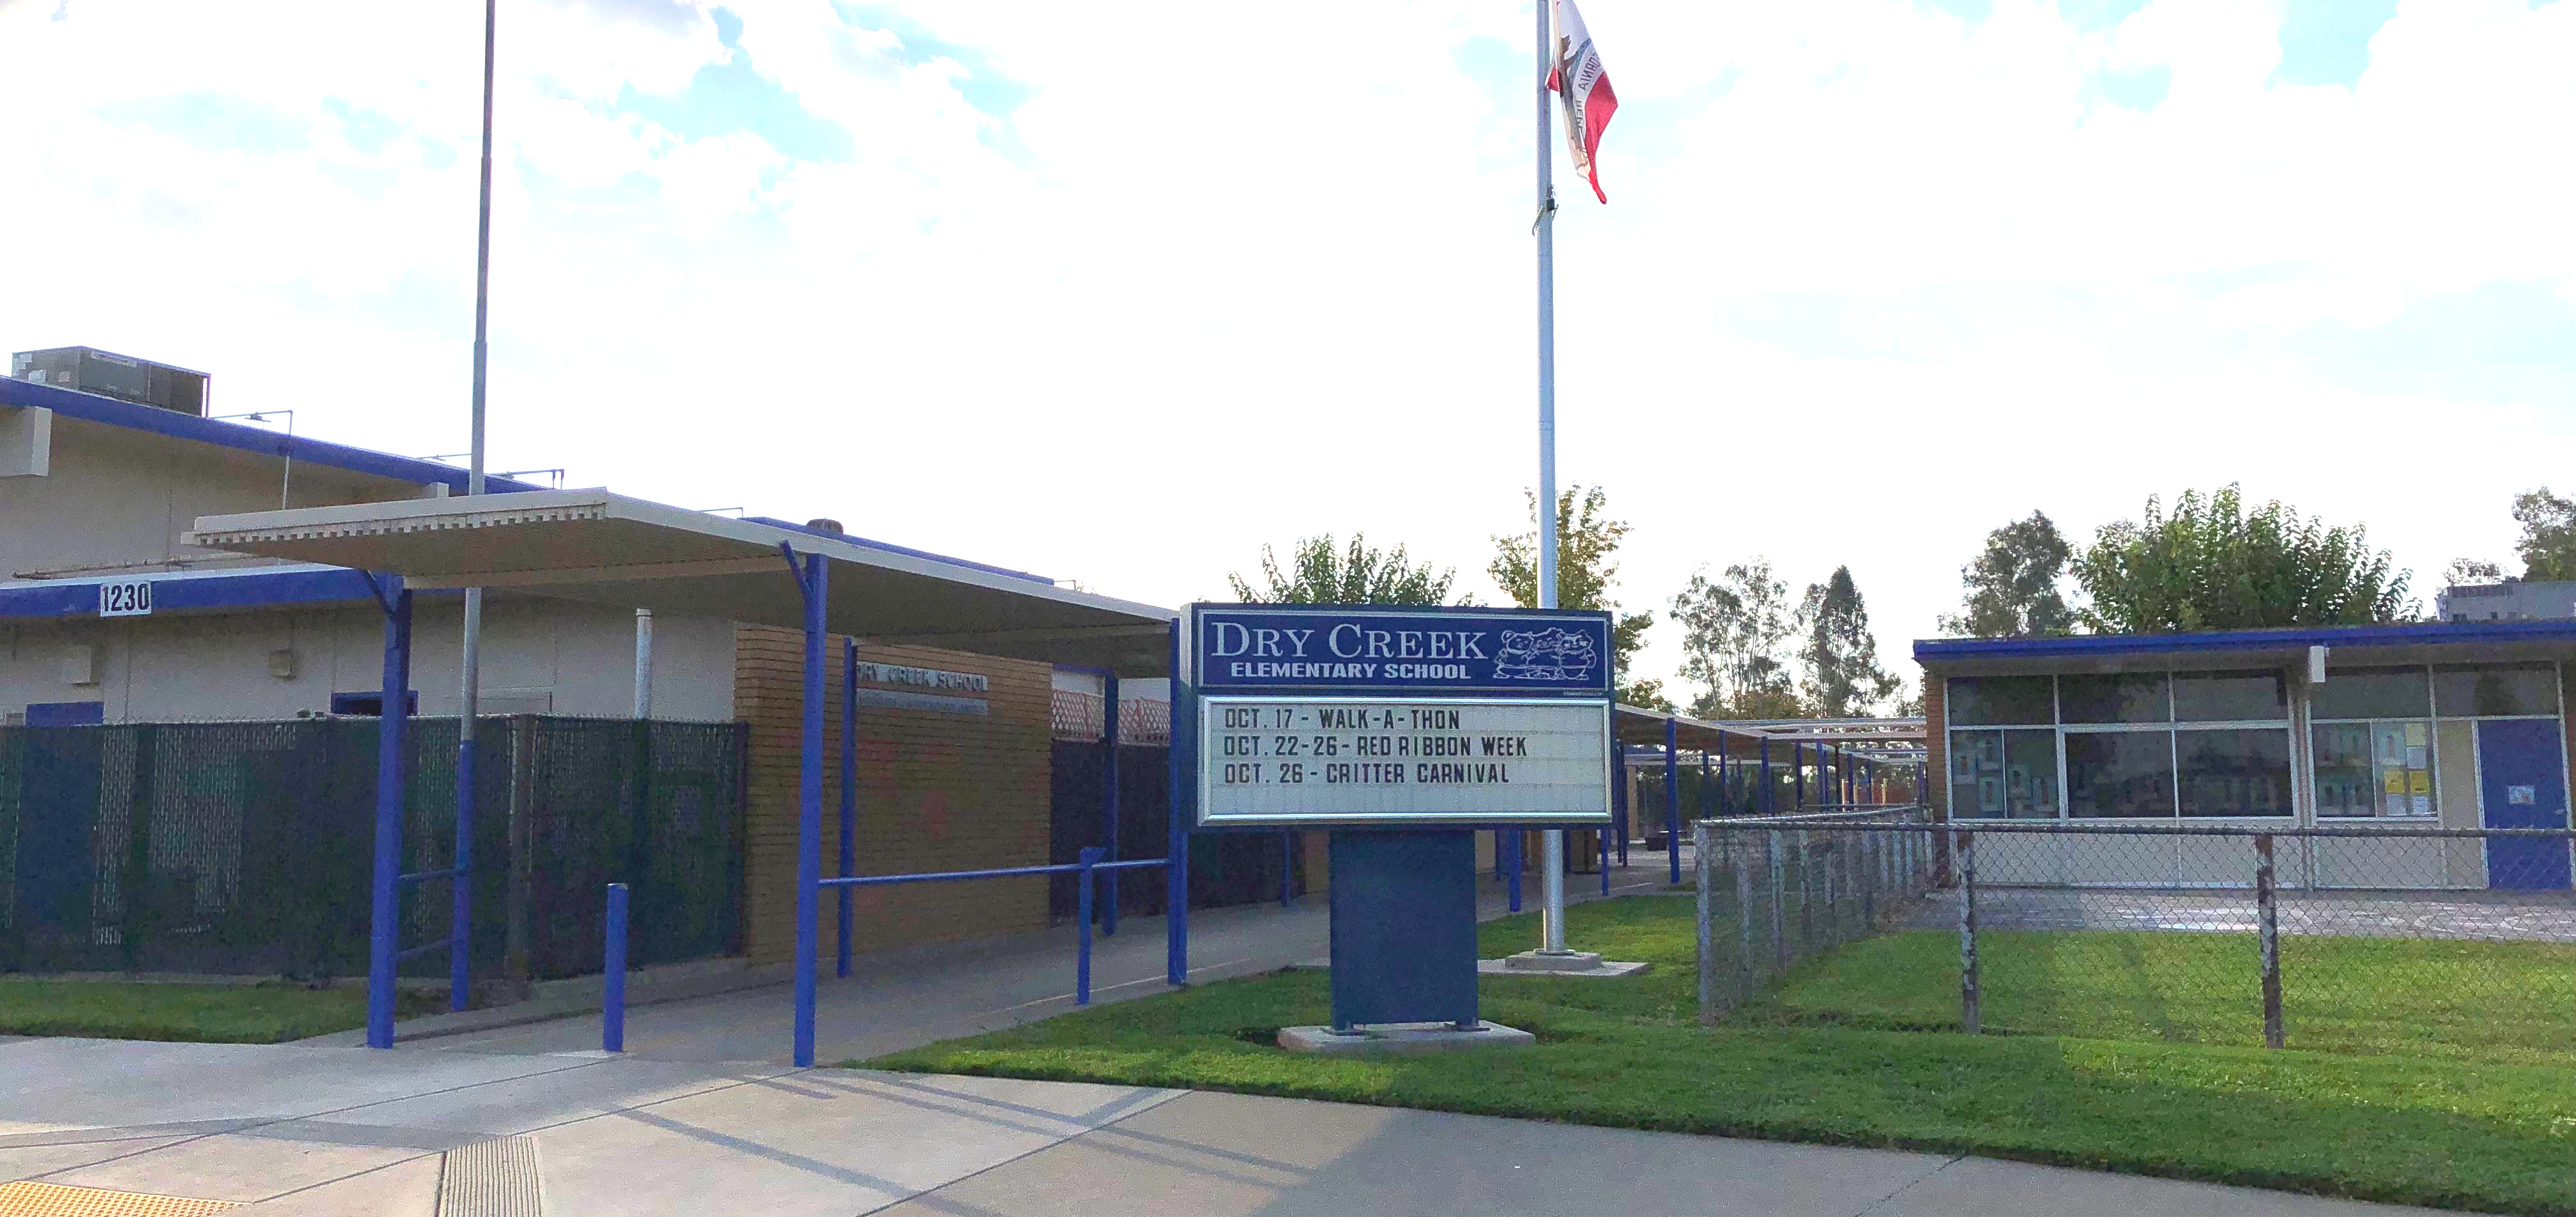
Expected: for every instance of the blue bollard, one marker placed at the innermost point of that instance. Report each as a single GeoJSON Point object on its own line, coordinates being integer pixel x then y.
{"type": "Point", "coordinates": [612, 1014]}
{"type": "Point", "coordinates": [1091, 855]}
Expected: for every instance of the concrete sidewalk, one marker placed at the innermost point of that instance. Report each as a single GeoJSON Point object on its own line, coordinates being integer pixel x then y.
{"type": "Point", "coordinates": [905, 999]}
{"type": "Point", "coordinates": [298, 1130]}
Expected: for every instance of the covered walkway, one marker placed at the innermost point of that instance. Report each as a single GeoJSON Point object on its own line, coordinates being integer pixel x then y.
{"type": "Point", "coordinates": [594, 546]}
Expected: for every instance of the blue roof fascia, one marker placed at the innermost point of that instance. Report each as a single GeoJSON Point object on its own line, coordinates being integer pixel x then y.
{"type": "Point", "coordinates": [2429, 633]}
{"type": "Point", "coordinates": [176, 591]}
{"type": "Point", "coordinates": [905, 550]}
{"type": "Point", "coordinates": [91, 407]}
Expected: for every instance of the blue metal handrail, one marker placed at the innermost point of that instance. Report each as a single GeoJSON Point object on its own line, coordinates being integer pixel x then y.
{"type": "Point", "coordinates": [1060, 868]}
{"type": "Point", "coordinates": [1090, 865]}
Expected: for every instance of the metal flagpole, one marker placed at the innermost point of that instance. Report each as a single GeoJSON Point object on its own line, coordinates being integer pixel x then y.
{"type": "Point", "coordinates": [472, 647]}
{"type": "Point", "coordinates": [1552, 842]}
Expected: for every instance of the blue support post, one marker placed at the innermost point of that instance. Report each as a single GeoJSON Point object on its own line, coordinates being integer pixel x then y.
{"type": "Point", "coordinates": [1673, 800]}
{"type": "Point", "coordinates": [1176, 875]}
{"type": "Point", "coordinates": [460, 886]}
{"type": "Point", "coordinates": [1798, 775]}
{"type": "Point", "coordinates": [849, 798]}
{"type": "Point", "coordinates": [1768, 796]}
{"type": "Point", "coordinates": [383, 913]}
{"type": "Point", "coordinates": [1706, 791]}
{"type": "Point", "coordinates": [612, 972]}
{"type": "Point", "coordinates": [1619, 798]}
{"type": "Point", "coordinates": [815, 580]}
{"type": "Point", "coordinates": [1512, 871]}
{"type": "Point", "coordinates": [1287, 870]}
{"type": "Point", "coordinates": [1090, 857]}
{"type": "Point", "coordinates": [1109, 797]}
{"type": "Point", "coordinates": [1605, 862]}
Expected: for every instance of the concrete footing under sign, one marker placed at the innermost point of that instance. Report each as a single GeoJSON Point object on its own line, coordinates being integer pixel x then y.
{"type": "Point", "coordinates": [1569, 963]}
{"type": "Point", "coordinates": [1402, 1037]}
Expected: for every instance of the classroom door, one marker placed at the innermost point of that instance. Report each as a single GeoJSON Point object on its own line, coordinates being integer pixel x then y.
{"type": "Point", "coordinates": [2521, 784]}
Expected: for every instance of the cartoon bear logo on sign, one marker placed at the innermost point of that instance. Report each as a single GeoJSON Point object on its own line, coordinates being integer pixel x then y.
{"type": "Point", "coordinates": [1549, 655]}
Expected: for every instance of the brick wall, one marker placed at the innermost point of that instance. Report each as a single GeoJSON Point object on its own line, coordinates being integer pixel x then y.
{"type": "Point", "coordinates": [1936, 744]}
{"type": "Point", "coordinates": [937, 791]}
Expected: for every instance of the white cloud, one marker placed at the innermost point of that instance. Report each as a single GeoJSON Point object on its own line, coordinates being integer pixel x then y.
{"type": "Point", "coordinates": [1873, 279]}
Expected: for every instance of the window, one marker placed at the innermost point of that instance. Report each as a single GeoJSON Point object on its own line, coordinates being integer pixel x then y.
{"type": "Point", "coordinates": [2378, 769]}
{"type": "Point", "coordinates": [2119, 773]}
{"type": "Point", "coordinates": [2132, 697]}
{"type": "Point", "coordinates": [2476, 690]}
{"type": "Point", "coordinates": [2234, 772]}
{"type": "Point", "coordinates": [2221, 697]}
{"type": "Point", "coordinates": [2371, 693]}
{"type": "Point", "coordinates": [2001, 701]}
{"type": "Point", "coordinates": [2004, 774]}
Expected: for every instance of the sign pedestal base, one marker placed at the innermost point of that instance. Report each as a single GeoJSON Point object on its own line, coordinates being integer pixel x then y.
{"type": "Point", "coordinates": [1405, 1037]}
{"type": "Point", "coordinates": [1404, 927]}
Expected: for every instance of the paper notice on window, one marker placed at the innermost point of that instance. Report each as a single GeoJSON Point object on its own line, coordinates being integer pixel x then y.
{"type": "Point", "coordinates": [2392, 781]}
{"type": "Point", "coordinates": [2423, 804]}
{"type": "Point", "coordinates": [2419, 782]}
{"type": "Point", "coordinates": [2396, 805]}
{"type": "Point", "coordinates": [2415, 735]}
{"type": "Point", "coordinates": [2415, 758]}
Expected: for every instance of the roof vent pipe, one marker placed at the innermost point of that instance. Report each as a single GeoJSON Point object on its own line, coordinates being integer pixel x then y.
{"type": "Point", "coordinates": [832, 526]}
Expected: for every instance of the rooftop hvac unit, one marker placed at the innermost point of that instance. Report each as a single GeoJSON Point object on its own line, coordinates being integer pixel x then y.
{"type": "Point", "coordinates": [108, 374]}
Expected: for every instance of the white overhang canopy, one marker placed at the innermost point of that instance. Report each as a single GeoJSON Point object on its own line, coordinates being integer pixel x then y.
{"type": "Point", "coordinates": [603, 548]}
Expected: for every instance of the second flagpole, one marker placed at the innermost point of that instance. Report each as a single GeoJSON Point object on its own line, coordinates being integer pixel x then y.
{"type": "Point", "coordinates": [1552, 847]}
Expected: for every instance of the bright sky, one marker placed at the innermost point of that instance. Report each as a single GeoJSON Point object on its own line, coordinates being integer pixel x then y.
{"type": "Point", "coordinates": [1119, 293]}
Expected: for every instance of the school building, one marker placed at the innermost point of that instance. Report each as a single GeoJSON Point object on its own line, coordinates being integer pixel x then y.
{"type": "Point", "coordinates": [2453, 724]}
{"type": "Point", "coordinates": [244, 674]}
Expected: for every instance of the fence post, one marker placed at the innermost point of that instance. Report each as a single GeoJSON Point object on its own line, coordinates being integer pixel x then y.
{"type": "Point", "coordinates": [1090, 856]}
{"type": "Point", "coordinates": [1705, 864]}
{"type": "Point", "coordinates": [1806, 890]}
{"type": "Point", "coordinates": [1779, 885]}
{"type": "Point", "coordinates": [1966, 850]}
{"type": "Point", "coordinates": [1872, 856]}
{"type": "Point", "coordinates": [1833, 890]}
{"type": "Point", "coordinates": [2268, 922]}
{"type": "Point", "coordinates": [1743, 920]}
{"type": "Point", "coordinates": [612, 1010]}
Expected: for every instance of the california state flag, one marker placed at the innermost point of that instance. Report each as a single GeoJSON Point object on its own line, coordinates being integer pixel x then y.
{"type": "Point", "coordinates": [1577, 80]}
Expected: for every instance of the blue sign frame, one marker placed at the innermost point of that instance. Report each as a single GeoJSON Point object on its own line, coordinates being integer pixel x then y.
{"type": "Point", "coordinates": [1523, 670]}
{"type": "Point", "coordinates": [1425, 651]}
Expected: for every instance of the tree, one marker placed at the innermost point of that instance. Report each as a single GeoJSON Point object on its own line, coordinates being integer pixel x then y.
{"type": "Point", "coordinates": [2012, 587]}
{"type": "Point", "coordinates": [1842, 678]}
{"type": "Point", "coordinates": [1320, 573]}
{"type": "Point", "coordinates": [1735, 632]}
{"type": "Point", "coordinates": [1587, 544]}
{"type": "Point", "coordinates": [2548, 545]}
{"type": "Point", "coordinates": [2212, 566]}
{"type": "Point", "coordinates": [2468, 572]}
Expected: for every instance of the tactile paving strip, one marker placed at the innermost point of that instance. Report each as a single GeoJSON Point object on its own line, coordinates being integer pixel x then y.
{"type": "Point", "coordinates": [27, 1198]}
{"type": "Point", "coordinates": [495, 1178]}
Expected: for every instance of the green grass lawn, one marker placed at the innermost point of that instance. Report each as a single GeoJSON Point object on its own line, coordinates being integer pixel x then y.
{"type": "Point", "coordinates": [217, 1014]}
{"type": "Point", "coordinates": [2473, 1117]}
{"type": "Point", "coordinates": [2495, 1002]}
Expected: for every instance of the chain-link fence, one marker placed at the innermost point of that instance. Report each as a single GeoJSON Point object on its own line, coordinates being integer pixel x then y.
{"type": "Point", "coordinates": [243, 847]}
{"type": "Point", "coordinates": [2455, 942]}
{"type": "Point", "coordinates": [1777, 890]}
